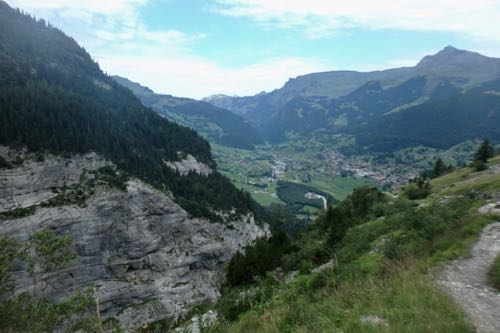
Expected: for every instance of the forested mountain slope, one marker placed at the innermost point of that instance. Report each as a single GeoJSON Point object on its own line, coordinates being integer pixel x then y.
{"type": "Point", "coordinates": [439, 123]}
{"type": "Point", "coordinates": [215, 124]}
{"type": "Point", "coordinates": [111, 216]}
{"type": "Point", "coordinates": [383, 110]}
{"type": "Point", "coordinates": [54, 97]}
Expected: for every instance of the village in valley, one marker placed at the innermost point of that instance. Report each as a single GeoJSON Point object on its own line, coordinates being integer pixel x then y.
{"type": "Point", "coordinates": [259, 171]}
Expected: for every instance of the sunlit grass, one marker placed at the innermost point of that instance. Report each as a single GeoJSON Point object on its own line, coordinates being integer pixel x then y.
{"type": "Point", "coordinates": [494, 273]}
{"type": "Point", "coordinates": [401, 293]}
{"type": "Point", "coordinates": [466, 179]}
{"type": "Point", "coordinates": [404, 298]}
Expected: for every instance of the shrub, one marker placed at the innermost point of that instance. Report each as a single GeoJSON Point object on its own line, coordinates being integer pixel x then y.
{"type": "Point", "coordinates": [18, 213]}
{"type": "Point", "coordinates": [480, 165]}
{"type": "Point", "coordinates": [362, 204]}
{"type": "Point", "coordinates": [4, 163]}
{"type": "Point", "coordinates": [417, 189]}
{"type": "Point", "coordinates": [494, 274]}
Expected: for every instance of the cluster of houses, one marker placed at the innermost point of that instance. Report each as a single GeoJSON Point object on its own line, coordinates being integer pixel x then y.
{"type": "Point", "coordinates": [336, 164]}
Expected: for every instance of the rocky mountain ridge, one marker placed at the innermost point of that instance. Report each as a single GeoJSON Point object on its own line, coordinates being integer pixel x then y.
{"type": "Point", "coordinates": [359, 106]}
{"type": "Point", "coordinates": [466, 68]}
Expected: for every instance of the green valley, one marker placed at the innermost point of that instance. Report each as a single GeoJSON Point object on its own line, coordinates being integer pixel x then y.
{"type": "Point", "coordinates": [322, 167]}
{"type": "Point", "coordinates": [373, 263]}
{"type": "Point", "coordinates": [297, 198]}
{"type": "Point", "coordinates": [260, 170]}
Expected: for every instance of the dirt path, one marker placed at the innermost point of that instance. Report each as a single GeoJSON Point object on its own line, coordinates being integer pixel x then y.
{"type": "Point", "coordinates": [465, 280]}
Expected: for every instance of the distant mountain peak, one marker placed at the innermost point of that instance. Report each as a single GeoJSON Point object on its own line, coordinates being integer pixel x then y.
{"type": "Point", "coordinates": [216, 96]}
{"type": "Point", "coordinates": [450, 51]}
{"type": "Point", "coordinates": [449, 48]}
{"type": "Point", "coordinates": [451, 56]}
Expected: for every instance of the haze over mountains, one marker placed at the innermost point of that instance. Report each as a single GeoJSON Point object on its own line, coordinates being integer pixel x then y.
{"type": "Point", "coordinates": [446, 99]}
{"type": "Point", "coordinates": [216, 124]}
{"type": "Point", "coordinates": [375, 108]}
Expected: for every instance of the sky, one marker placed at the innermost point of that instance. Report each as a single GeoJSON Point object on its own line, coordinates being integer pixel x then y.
{"type": "Point", "coordinates": [197, 48]}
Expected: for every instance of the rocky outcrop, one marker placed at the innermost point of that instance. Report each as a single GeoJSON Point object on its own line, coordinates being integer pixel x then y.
{"type": "Point", "coordinates": [189, 164]}
{"type": "Point", "coordinates": [491, 208]}
{"type": "Point", "coordinates": [374, 320]}
{"type": "Point", "coordinates": [36, 180]}
{"type": "Point", "coordinates": [199, 323]}
{"type": "Point", "coordinates": [145, 255]}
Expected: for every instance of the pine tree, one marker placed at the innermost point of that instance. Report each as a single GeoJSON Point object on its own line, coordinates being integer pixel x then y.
{"type": "Point", "coordinates": [483, 153]}
{"type": "Point", "coordinates": [439, 168]}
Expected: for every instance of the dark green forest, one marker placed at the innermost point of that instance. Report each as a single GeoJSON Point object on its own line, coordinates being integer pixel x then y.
{"type": "Point", "coordinates": [370, 113]}
{"type": "Point", "coordinates": [468, 115]}
{"type": "Point", "coordinates": [293, 195]}
{"type": "Point", "coordinates": [54, 98]}
{"type": "Point", "coordinates": [237, 132]}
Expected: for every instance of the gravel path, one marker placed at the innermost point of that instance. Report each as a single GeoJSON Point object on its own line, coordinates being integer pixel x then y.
{"type": "Point", "coordinates": [465, 280]}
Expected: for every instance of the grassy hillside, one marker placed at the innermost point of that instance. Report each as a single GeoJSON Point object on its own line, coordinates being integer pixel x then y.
{"type": "Point", "coordinates": [382, 253]}
{"type": "Point", "coordinates": [466, 180]}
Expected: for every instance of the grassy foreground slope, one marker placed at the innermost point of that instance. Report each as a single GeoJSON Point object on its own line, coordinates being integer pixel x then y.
{"type": "Point", "coordinates": [380, 276]}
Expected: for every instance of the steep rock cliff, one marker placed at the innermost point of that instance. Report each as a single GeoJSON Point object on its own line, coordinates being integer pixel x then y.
{"type": "Point", "coordinates": [147, 258]}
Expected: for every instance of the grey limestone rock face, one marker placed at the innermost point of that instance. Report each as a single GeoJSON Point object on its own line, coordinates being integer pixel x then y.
{"type": "Point", "coordinates": [147, 258]}
{"type": "Point", "coordinates": [34, 181]}
{"type": "Point", "coordinates": [189, 164]}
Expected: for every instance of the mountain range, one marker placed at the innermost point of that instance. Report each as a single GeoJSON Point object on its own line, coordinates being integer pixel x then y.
{"type": "Point", "coordinates": [216, 124]}
{"type": "Point", "coordinates": [383, 110]}
{"type": "Point", "coordinates": [115, 218]}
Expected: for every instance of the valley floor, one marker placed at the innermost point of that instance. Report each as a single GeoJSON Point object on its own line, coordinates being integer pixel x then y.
{"type": "Point", "coordinates": [321, 165]}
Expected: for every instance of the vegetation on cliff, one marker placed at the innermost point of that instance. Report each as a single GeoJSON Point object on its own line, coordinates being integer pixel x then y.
{"type": "Point", "coordinates": [43, 254]}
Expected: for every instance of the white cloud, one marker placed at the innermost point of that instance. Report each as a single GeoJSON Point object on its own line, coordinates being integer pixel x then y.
{"type": "Point", "coordinates": [198, 77]}
{"type": "Point", "coordinates": [102, 24]}
{"type": "Point", "coordinates": [478, 18]}
{"type": "Point", "coordinates": [114, 34]}
{"type": "Point", "coordinates": [112, 7]}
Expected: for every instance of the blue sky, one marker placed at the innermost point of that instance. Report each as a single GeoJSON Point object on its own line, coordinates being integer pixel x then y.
{"type": "Point", "coordinates": [196, 48]}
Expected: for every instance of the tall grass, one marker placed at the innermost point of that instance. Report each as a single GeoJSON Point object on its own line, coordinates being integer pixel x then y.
{"type": "Point", "coordinates": [383, 269]}
{"type": "Point", "coordinates": [494, 273]}
{"type": "Point", "coordinates": [404, 298]}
